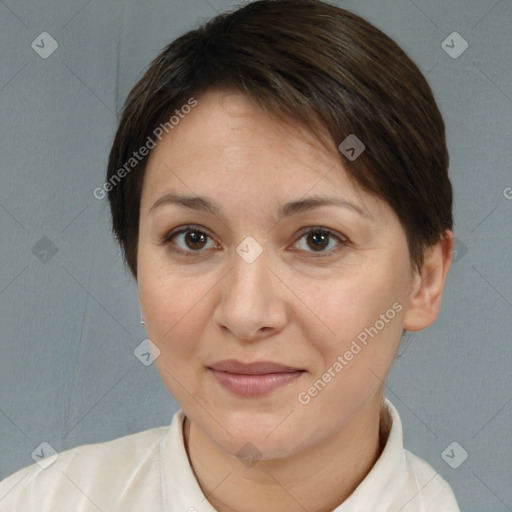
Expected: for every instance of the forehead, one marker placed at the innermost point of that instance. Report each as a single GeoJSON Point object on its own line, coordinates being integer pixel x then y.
{"type": "Point", "coordinates": [227, 146]}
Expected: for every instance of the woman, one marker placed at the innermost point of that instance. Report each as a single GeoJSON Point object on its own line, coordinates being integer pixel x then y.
{"type": "Point", "coordinates": [278, 185]}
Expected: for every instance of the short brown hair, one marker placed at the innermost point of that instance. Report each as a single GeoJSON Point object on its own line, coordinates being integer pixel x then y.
{"type": "Point", "coordinates": [314, 64]}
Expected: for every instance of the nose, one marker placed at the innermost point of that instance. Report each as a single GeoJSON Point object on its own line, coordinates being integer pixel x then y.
{"type": "Point", "coordinates": [252, 301]}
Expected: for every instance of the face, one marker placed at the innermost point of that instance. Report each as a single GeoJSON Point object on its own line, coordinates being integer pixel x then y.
{"type": "Point", "coordinates": [265, 274]}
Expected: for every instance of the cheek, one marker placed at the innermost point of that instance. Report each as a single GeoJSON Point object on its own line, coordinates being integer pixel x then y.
{"type": "Point", "coordinates": [166, 295]}
{"type": "Point", "coordinates": [349, 304]}
{"type": "Point", "coordinates": [170, 304]}
{"type": "Point", "coordinates": [361, 320]}
{"type": "Point", "coordinates": [354, 360]}
{"type": "Point", "coordinates": [174, 316]}
{"type": "Point", "coordinates": [172, 309]}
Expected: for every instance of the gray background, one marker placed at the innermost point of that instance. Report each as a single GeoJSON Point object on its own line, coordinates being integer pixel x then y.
{"type": "Point", "coordinates": [70, 320]}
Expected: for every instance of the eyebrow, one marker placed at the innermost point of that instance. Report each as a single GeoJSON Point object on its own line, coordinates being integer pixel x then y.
{"type": "Point", "coordinates": [204, 204]}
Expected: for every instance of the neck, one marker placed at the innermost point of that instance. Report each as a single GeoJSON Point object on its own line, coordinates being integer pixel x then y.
{"type": "Point", "coordinates": [317, 479]}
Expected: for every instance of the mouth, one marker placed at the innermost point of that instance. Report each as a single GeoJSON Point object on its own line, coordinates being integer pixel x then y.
{"type": "Point", "coordinates": [253, 379]}
{"type": "Point", "coordinates": [255, 368]}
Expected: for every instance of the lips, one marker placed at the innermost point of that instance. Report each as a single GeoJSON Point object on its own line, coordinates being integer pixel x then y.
{"type": "Point", "coordinates": [256, 368]}
{"type": "Point", "coordinates": [253, 380]}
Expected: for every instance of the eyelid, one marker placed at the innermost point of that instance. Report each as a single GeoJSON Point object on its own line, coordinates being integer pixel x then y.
{"type": "Point", "coordinates": [308, 229]}
{"type": "Point", "coordinates": [183, 229]}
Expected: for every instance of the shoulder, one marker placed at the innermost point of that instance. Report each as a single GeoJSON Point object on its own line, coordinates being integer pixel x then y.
{"type": "Point", "coordinates": [433, 491]}
{"type": "Point", "coordinates": [84, 473]}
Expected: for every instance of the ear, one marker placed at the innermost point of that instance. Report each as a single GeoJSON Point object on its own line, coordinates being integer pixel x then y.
{"type": "Point", "coordinates": [428, 284]}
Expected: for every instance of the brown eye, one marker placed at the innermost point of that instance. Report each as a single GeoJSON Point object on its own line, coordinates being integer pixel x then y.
{"type": "Point", "coordinates": [318, 239]}
{"type": "Point", "coordinates": [195, 239]}
{"type": "Point", "coordinates": [188, 240]}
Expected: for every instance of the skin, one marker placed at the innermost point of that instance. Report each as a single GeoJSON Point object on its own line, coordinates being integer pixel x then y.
{"type": "Point", "coordinates": [289, 305]}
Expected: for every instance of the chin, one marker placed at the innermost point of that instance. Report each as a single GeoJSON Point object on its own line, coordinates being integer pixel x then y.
{"type": "Point", "coordinates": [258, 441]}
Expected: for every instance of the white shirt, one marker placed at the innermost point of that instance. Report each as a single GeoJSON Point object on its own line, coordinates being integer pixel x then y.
{"type": "Point", "coordinates": [150, 471]}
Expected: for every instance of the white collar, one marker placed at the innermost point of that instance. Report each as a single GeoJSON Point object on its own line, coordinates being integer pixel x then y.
{"type": "Point", "coordinates": [181, 490]}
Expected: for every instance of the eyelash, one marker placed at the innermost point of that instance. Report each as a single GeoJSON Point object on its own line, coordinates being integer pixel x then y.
{"type": "Point", "coordinates": [166, 240]}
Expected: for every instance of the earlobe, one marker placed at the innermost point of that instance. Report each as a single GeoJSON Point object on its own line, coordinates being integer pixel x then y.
{"type": "Point", "coordinates": [427, 288]}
